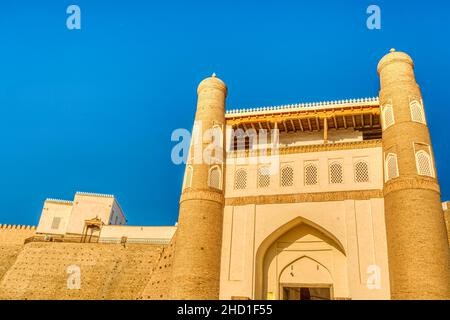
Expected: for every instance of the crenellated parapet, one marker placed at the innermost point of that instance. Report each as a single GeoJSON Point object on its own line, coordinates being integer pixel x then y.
{"type": "Point", "coordinates": [305, 106]}
{"type": "Point", "coordinates": [90, 194]}
{"type": "Point", "coordinates": [15, 234]}
{"type": "Point", "coordinates": [58, 201]}
{"type": "Point", "coordinates": [17, 227]}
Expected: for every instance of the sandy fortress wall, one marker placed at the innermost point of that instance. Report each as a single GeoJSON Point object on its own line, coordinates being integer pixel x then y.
{"type": "Point", "coordinates": [37, 263]}
{"type": "Point", "coordinates": [41, 270]}
{"type": "Point", "coordinates": [12, 238]}
{"type": "Point", "coordinates": [160, 281]}
{"type": "Point", "coordinates": [15, 234]}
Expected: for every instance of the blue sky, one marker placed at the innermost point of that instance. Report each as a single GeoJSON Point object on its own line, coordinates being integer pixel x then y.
{"type": "Point", "coordinates": [93, 109]}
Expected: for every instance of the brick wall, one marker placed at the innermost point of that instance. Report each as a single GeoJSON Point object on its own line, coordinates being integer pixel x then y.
{"type": "Point", "coordinates": [159, 284]}
{"type": "Point", "coordinates": [12, 238]}
{"type": "Point", "coordinates": [108, 271]}
{"type": "Point", "coordinates": [12, 234]}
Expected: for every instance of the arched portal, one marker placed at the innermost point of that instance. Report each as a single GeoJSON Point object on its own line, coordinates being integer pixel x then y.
{"type": "Point", "coordinates": [300, 260]}
{"type": "Point", "coordinates": [305, 279]}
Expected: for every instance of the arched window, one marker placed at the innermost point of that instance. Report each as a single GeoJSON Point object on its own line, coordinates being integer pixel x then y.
{"type": "Point", "coordinates": [188, 177]}
{"type": "Point", "coordinates": [214, 178]}
{"type": "Point", "coordinates": [263, 177]}
{"type": "Point", "coordinates": [311, 175]}
{"type": "Point", "coordinates": [336, 173]}
{"type": "Point", "coordinates": [391, 168]}
{"type": "Point", "coordinates": [240, 179]}
{"type": "Point", "coordinates": [388, 116]}
{"type": "Point", "coordinates": [417, 114]}
{"type": "Point", "coordinates": [361, 171]}
{"type": "Point", "coordinates": [287, 176]}
{"type": "Point", "coordinates": [424, 164]}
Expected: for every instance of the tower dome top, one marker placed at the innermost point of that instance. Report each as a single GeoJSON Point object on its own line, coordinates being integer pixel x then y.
{"type": "Point", "coordinates": [212, 82]}
{"type": "Point", "coordinates": [394, 56]}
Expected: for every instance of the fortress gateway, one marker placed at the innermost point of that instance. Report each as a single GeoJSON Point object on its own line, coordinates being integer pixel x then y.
{"type": "Point", "coordinates": [352, 210]}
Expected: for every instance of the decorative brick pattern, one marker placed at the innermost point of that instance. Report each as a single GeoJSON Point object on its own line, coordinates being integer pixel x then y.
{"type": "Point", "coordinates": [305, 197]}
{"type": "Point", "coordinates": [418, 251]}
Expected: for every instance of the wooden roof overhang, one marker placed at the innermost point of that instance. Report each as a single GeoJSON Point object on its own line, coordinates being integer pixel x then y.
{"type": "Point", "coordinates": [359, 116]}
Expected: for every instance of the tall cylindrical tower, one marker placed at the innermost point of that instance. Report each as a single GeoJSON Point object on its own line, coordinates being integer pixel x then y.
{"type": "Point", "coordinates": [418, 251]}
{"type": "Point", "coordinates": [196, 265]}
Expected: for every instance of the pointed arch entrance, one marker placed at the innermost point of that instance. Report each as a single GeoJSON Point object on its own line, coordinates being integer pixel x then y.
{"type": "Point", "coordinates": [300, 260]}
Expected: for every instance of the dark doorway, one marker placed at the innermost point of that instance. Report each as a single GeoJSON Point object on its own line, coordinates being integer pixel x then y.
{"type": "Point", "coordinates": [306, 293]}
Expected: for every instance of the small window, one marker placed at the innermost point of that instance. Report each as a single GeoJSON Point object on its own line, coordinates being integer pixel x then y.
{"type": "Point", "coordinates": [188, 177]}
{"type": "Point", "coordinates": [311, 175]}
{"type": "Point", "coordinates": [214, 178]}
{"type": "Point", "coordinates": [116, 219]}
{"type": "Point", "coordinates": [388, 116]}
{"type": "Point", "coordinates": [361, 171]}
{"type": "Point", "coordinates": [263, 177]}
{"type": "Point", "coordinates": [56, 222]}
{"type": "Point", "coordinates": [417, 114]}
{"type": "Point", "coordinates": [424, 164]}
{"type": "Point", "coordinates": [336, 173]}
{"type": "Point", "coordinates": [391, 166]}
{"type": "Point", "coordinates": [287, 176]}
{"type": "Point", "coordinates": [240, 179]}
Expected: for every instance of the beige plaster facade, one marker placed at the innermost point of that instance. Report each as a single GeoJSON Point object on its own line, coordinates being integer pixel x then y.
{"type": "Point", "coordinates": [345, 238]}
{"type": "Point", "coordinates": [68, 217]}
{"type": "Point", "coordinates": [140, 234]}
{"type": "Point", "coordinates": [87, 206]}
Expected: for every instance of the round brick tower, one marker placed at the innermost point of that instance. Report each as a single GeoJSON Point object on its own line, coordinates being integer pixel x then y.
{"type": "Point", "coordinates": [196, 265]}
{"type": "Point", "coordinates": [418, 252]}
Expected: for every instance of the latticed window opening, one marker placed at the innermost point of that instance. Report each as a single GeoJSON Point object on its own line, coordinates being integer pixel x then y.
{"type": "Point", "coordinates": [188, 177]}
{"type": "Point", "coordinates": [391, 166]}
{"type": "Point", "coordinates": [424, 166]}
{"type": "Point", "coordinates": [263, 177]}
{"type": "Point", "coordinates": [287, 176]}
{"type": "Point", "coordinates": [311, 175]}
{"type": "Point", "coordinates": [240, 179]}
{"type": "Point", "coordinates": [336, 173]}
{"type": "Point", "coordinates": [417, 111]}
{"type": "Point", "coordinates": [388, 116]}
{"type": "Point", "coordinates": [361, 171]}
{"type": "Point", "coordinates": [214, 178]}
